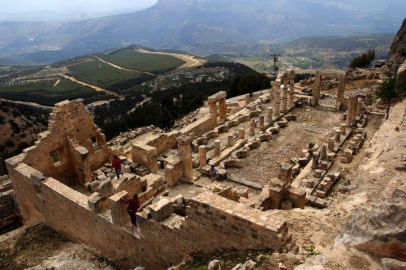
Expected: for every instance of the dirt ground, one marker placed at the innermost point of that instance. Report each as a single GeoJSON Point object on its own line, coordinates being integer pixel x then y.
{"type": "Point", "coordinates": [312, 125]}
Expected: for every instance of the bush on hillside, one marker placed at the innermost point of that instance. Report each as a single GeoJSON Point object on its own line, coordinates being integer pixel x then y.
{"type": "Point", "coordinates": [363, 61]}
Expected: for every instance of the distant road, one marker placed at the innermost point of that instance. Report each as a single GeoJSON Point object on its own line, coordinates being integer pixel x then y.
{"type": "Point", "coordinates": [32, 104]}
{"type": "Point", "coordinates": [99, 89]}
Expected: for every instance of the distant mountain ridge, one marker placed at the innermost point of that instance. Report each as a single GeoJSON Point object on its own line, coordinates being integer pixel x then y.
{"type": "Point", "coordinates": [173, 23]}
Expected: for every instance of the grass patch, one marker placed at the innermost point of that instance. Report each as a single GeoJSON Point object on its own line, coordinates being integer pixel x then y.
{"type": "Point", "coordinates": [105, 76]}
{"type": "Point", "coordinates": [45, 93]}
{"type": "Point", "coordinates": [154, 63]}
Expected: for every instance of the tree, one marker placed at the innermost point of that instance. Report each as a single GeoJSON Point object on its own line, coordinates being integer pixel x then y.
{"type": "Point", "coordinates": [388, 90]}
{"type": "Point", "coordinates": [363, 61]}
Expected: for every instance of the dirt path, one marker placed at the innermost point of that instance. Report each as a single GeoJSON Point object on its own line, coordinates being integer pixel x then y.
{"type": "Point", "coordinates": [190, 61]}
{"type": "Point", "coordinates": [126, 69]}
{"type": "Point", "coordinates": [57, 82]}
{"type": "Point", "coordinates": [99, 89]}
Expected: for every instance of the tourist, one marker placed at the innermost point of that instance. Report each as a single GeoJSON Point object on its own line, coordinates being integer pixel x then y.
{"type": "Point", "coordinates": [116, 164]}
{"type": "Point", "coordinates": [213, 172]}
{"type": "Point", "coordinates": [133, 206]}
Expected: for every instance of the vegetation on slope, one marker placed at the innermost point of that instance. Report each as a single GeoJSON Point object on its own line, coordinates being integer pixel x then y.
{"type": "Point", "coordinates": [105, 76]}
{"type": "Point", "coordinates": [130, 59]}
{"type": "Point", "coordinates": [45, 93]}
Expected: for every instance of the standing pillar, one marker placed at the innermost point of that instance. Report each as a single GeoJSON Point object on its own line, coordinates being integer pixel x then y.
{"type": "Point", "coordinates": [337, 135]}
{"type": "Point", "coordinates": [252, 127]}
{"type": "Point", "coordinates": [213, 110]}
{"type": "Point", "coordinates": [247, 99]}
{"type": "Point", "coordinates": [351, 104]}
{"type": "Point", "coordinates": [185, 156]}
{"type": "Point", "coordinates": [270, 113]}
{"type": "Point", "coordinates": [277, 86]}
{"type": "Point", "coordinates": [223, 108]}
{"type": "Point", "coordinates": [261, 123]}
{"type": "Point", "coordinates": [316, 87]}
{"type": "Point", "coordinates": [331, 144]}
{"type": "Point", "coordinates": [292, 87]}
{"type": "Point", "coordinates": [359, 107]}
{"type": "Point", "coordinates": [230, 140]}
{"type": "Point", "coordinates": [343, 129]}
{"type": "Point", "coordinates": [315, 163]}
{"type": "Point", "coordinates": [217, 149]}
{"type": "Point", "coordinates": [241, 133]}
{"type": "Point", "coordinates": [341, 89]}
{"type": "Point", "coordinates": [285, 100]}
{"type": "Point", "coordinates": [323, 153]}
{"type": "Point", "coordinates": [202, 155]}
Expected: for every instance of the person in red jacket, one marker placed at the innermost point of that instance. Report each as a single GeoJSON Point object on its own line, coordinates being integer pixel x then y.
{"type": "Point", "coordinates": [133, 205]}
{"type": "Point", "coordinates": [116, 164]}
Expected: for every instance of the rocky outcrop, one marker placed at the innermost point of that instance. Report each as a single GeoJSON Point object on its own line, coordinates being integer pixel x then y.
{"type": "Point", "coordinates": [380, 228]}
{"type": "Point", "coordinates": [397, 54]}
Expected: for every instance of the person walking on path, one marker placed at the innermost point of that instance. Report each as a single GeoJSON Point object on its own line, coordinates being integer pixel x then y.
{"type": "Point", "coordinates": [116, 164]}
{"type": "Point", "coordinates": [133, 206]}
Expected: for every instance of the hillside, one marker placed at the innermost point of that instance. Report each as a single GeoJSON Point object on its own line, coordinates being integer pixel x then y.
{"type": "Point", "coordinates": [170, 24]}
{"type": "Point", "coordinates": [333, 52]}
{"type": "Point", "coordinates": [19, 128]}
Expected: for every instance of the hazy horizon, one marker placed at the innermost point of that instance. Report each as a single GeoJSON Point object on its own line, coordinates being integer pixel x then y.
{"type": "Point", "coordinates": [73, 6]}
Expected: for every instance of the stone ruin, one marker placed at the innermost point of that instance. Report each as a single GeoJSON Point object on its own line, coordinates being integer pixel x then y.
{"type": "Point", "coordinates": [66, 181]}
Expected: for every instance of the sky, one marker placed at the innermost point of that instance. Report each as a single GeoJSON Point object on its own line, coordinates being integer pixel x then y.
{"type": "Point", "coordinates": [72, 6]}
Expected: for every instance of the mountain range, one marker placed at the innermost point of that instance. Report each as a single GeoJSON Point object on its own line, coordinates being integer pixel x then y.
{"type": "Point", "coordinates": [172, 24]}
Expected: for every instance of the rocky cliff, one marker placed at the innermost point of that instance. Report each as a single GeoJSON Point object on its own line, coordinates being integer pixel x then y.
{"type": "Point", "coordinates": [397, 56]}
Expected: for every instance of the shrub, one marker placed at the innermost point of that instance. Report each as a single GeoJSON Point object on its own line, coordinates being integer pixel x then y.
{"type": "Point", "coordinates": [363, 61]}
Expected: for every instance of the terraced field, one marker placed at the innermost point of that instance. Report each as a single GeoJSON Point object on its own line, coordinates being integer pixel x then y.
{"type": "Point", "coordinates": [146, 62]}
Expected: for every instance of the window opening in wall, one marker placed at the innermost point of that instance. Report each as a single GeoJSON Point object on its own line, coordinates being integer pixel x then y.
{"type": "Point", "coordinates": [56, 157]}
{"type": "Point", "coordinates": [94, 141]}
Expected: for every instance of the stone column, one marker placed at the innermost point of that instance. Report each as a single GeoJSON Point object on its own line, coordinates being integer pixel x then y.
{"type": "Point", "coordinates": [351, 104]}
{"type": "Point", "coordinates": [252, 128]}
{"type": "Point", "coordinates": [213, 108]}
{"type": "Point", "coordinates": [241, 133]}
{"type": "Point", "coordinates": [185, 156]}
{"type": "Point", "coordinates": [331, 144]}
{"type": "Point", "coordinates": [285, 100]}
{"type": "Point", "coordinates": [202, 155]}
{"type": "Point", "coordinates": [341, 89]}
{"type": "Point", "coordinates": [270, 113]}
{"type": "Point", "coordinates": [354, 111]}
{"type": "Point", "coordinates": [217, 149]}
{"type": "Point", "coordinates": [337, 135]}
{"type": "Point", "coordinates": [223, 108]}
{"type": "Point", "coordinates": [230, 140]}
{"type": "Point", "coordinates": [343, 129]}
{"type": "Point", "coordinates": [323, 152]}
{"type": "Point", "coordinates": [261, 123]}
{"type": "Point", "coordinates": [247, 99]}
{"type": "Point", "coordinates": [277, 86]}
{"type": "Point", "coordinates": [292, 87]}
{"type": "Point", "coordinates": [316, 87]}
{"type": "Point", "coordinates": [315, 163]}
{"type": "Point", "coordinates": [359, 107]}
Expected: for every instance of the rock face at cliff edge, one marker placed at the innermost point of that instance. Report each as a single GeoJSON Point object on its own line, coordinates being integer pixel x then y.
{"type": "Point", "coordinates": [397, 55]}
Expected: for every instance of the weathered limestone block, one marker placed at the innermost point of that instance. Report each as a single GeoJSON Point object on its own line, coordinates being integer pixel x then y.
{"type": "Point", "coordinates": [105, 188]}
{"type": "Point", "coordinates": [331, 144]}
{"type": "Point", "coordinates": [317, 173]}
{"type": "Point", "coordinates": [94, 202]}
{"type": "Point", "coordinates": [286, 173]}
{"type": "Point", "coordinates": [94, 186]}
{"type": "Point", "coordinates": [230, 140]}
{"type": "Point", "coordinates": [252, 128]}
{"type": "Point", "coordinates": [161, 209]}
{"type": "Point", "coordinates": [217, 148]}
{"type": "Point", "coordinates": [323, 152]}
{"type": "Point", "coordinates": [337, 136]}
{"type": "Point", "coordinates": [119, 214]}
{"type": "Point", "coordinates": [261, 122]}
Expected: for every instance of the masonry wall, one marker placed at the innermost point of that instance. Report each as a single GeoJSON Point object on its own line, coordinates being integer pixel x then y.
{"type": "Point", "coordinates": [210, 224]}
{"type": "Point", "coordinates": [200, 127]}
